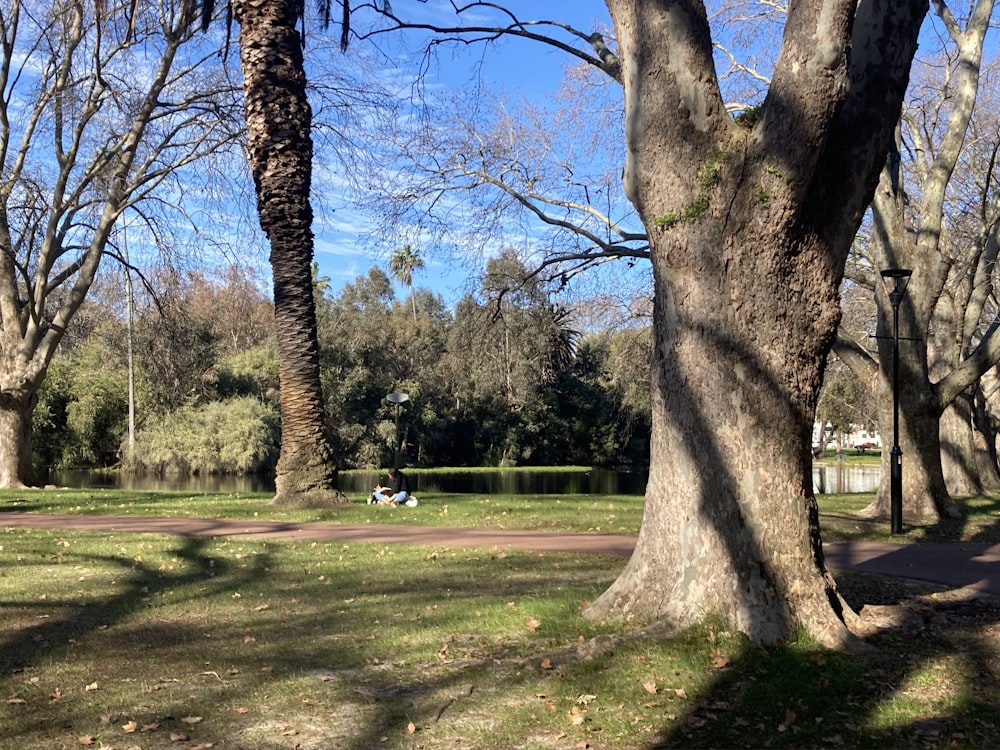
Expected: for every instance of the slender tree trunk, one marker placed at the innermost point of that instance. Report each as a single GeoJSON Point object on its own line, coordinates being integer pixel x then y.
{"type": "Point", "coordinates": [278, 131]}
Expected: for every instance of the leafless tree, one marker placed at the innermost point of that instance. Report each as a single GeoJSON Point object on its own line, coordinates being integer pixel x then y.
{"type": "Point", "coordinates": [103, 106]}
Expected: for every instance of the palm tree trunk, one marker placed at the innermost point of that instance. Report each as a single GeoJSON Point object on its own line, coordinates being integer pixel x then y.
{"type": "Point", "coordinates": [278, 134]}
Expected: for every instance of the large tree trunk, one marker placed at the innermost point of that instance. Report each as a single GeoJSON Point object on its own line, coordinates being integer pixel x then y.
{"type": "Point", "coordinates": [15, 439]}
{"type": "Point", "coordinates": [731, 522]}
{"type": "Point", "coordinates": [984, 440]}
{"type": "Point", "coordinates": [925, 496]}
{"type": "Point", "coordinates": [749, 231]}
{"type": "Point", "coordinates": [959, 454]}
{"type": "Point", "coordinates": [278, 133]}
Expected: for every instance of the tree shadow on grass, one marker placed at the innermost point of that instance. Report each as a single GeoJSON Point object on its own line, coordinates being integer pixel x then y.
{"type": "Point", "coordinates": [358, 693]}
{"type": "Point", "coordinates": [62, 625]}
{"type": "Point", "coordinates": [186, 659]}
{"type": "Point", "coordinates": [930, 680]}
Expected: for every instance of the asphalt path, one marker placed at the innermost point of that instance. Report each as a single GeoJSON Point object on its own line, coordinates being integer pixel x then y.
{"type": "Point", "coordinates": [960, 564]}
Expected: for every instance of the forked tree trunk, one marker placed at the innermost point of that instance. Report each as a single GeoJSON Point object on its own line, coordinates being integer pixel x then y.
{"type": "Point", "coordinates": [749, 232]}
{"type": "Point", "coordinates": [731, 524]}
{"type": "Point", "coordinates": [278, 133]}
{"type": "Point", "coordinates": [15, 440]}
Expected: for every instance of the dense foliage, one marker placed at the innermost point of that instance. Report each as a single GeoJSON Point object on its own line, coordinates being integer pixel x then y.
{"type": "Point", "coordinates": [501, 379]}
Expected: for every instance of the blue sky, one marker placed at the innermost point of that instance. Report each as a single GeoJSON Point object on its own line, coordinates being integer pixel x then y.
{"type": "Point", "coordinates": [525, 69]}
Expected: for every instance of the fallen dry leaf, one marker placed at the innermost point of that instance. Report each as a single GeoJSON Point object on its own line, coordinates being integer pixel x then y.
{"type": "Point", "coordinates": [91, 687]}
{"type": "Point", "coordinates": [178, 737]}
{"type": "Point", "coordinates": [17, 702]}
{"type": "Point", "coordinates": [680, 692]}
{"type": "Point", "coordinates": [789, 720]}
{"type": "Point", "coordinates": [575, 717]}
{"type": "Point", "coordinates": [546, 663]}
{"type": "Point", "coordinates": [532, 624]}
{"type": "Point", "coordinates": [650, 687]}
{"type": "Point", "coordinates": [718, 659]}
{"type": "Point", "coordinates": [85, 740]}
{"type": "Point", "coordinates": [191, 719]}
{"type": "Point", "coordinates": [411, 728]}
{"type": "Point", "coordinates": [130, 727]}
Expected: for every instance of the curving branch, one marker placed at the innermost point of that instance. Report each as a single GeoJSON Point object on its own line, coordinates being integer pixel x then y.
{"type": "Point", "coordinates": [601, 55]}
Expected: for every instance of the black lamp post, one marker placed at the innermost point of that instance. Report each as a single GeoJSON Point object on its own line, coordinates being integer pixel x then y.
{"type": "Point", "coordinates": [900, 277]}
{"type": "Point", "coordinates": [397, 399]}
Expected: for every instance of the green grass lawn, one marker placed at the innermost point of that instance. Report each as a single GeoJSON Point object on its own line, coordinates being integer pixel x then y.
{"type": "Point", "coordinates": [615, 514]}
{"type": "Point", "coordinates": [121, 641]}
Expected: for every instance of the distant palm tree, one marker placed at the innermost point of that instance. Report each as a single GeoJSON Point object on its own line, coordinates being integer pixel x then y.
{"type": "Point", "coordinates": [402, 264]}
{"type": "Point", "coordinates": [321, 284]}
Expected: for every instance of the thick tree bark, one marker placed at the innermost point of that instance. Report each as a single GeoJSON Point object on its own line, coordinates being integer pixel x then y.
{"type": "Point", "coordinates": [15, 438]}
{"type": "Point", "coordinates": [958, 449]}
{"type": "Point", "coordinates": [278, 133]}
{"type": "Point", "coordinates": [749, 231]}
{"type": "Point", "coordinates": [925, 496]}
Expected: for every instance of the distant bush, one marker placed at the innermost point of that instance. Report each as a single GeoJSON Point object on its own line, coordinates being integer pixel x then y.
{"type": "Point", "coordinates": [82, 414]}
{"type": "Point", "coordinates": [235, 436]}
{"type": "Point", "coordinates": [252, 372]}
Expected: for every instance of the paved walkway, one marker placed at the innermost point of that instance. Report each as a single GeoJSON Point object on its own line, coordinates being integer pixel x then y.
{"type": "Point", "coordinates": [960, 564]}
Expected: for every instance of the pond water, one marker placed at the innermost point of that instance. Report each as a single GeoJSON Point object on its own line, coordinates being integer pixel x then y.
{"type": "Point", "coordinates": [843, 478]}
{"type": "Point", "coordinates": [838, 478]}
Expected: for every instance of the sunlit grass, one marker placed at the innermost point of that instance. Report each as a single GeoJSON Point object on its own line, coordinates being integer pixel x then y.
{"type": "Point", "coordinates": [841, 516]}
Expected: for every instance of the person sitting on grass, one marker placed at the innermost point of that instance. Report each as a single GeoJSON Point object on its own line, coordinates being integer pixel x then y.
{"type": "Point", "coordinates": [397, 493]}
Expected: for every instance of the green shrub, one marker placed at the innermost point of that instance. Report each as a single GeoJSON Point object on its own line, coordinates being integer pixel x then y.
{"type": "Point", "coordinates": [234, 436]}
{"type": "Point", "coordinates": [250, 373]}
{"type": "Point", "coordinates": [82, 413]}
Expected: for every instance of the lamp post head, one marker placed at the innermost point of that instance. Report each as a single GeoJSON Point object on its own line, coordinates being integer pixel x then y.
{"type": "Point", "coordinates": [900, 277]}
{"type": "Point", "coordinates": [397, 398]}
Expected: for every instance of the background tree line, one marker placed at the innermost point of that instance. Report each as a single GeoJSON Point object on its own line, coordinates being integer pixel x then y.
{"type": "Point", "coordinates": [504, 378]}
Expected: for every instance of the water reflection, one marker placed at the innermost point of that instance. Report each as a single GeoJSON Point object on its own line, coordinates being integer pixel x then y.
{"type": "Point", "coordinates": [511, 482]}
{"type": "Point", "coordinates": [836, 478]}
{"type": "Point", "coordinates": [841, 478]}
{"type": "Point", "coordinates": [84, 479]}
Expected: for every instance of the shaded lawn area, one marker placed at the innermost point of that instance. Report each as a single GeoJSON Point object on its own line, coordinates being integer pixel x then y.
{"type": "Point", "coordinates": [153, 642]}
{"type": "Point", "coordinates": [145, 641]}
